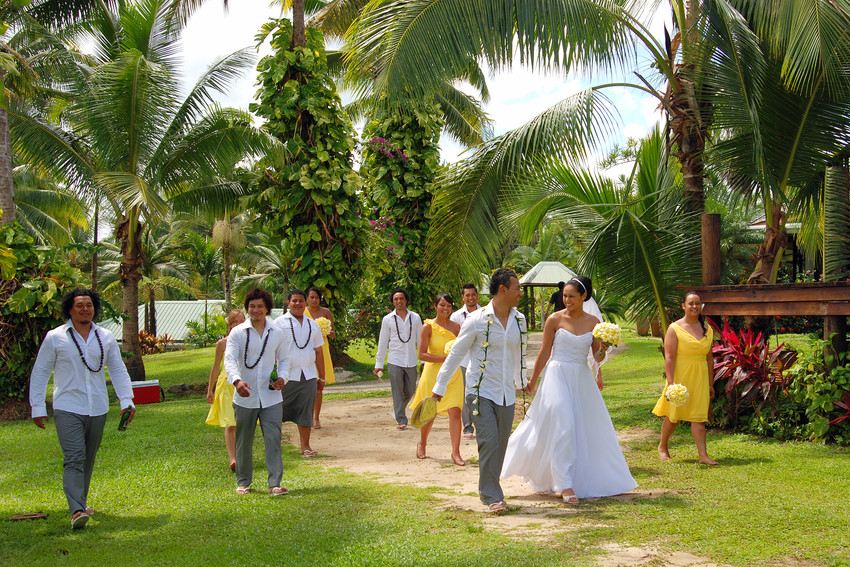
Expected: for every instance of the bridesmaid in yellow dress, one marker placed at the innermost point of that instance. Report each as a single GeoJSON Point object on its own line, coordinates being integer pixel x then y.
{"type": "Point", "coordinates": [688, 360]}
{"type": "Point", "coordinates": [220, 393]}
{"type": "Point", "coordinates": [432, 343]}
{"type": "Point", "coordinates": [314, 311]}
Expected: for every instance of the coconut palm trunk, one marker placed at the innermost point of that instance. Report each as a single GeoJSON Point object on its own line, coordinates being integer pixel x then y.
{"type": "Point", "coordinates": [130, 276]}
{"type": "Point", "coordinates": [7, 190]}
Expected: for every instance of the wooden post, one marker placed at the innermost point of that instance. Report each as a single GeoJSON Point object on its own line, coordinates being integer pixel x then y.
{"type": "Point", "coordinates": [837, 325]}
{"type": "Point", "coordinates": [711, 274]}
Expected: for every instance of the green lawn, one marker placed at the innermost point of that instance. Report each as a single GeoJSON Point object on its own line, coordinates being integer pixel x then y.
{"type": "Point", "coordinates": [164, 498]}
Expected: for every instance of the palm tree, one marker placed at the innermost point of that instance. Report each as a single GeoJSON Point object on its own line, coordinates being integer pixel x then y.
{"type": "Point", "coordinates": [708, 77]}
{"type": "Point", "coordinates": [635, 234]}
{"type": "Point", "coordinates": [228, 235]}
{"type": "Point", "coordinates": [46, 209]}
{"type": "Point", "coordinates": [142, 145]}
{"type": "Point", "coordinates": [204, 262]}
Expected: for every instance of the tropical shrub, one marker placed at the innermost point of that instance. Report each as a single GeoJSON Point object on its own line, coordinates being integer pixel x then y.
{"type": "Point", "coordinates": [821, 387]}
{"type": "Point", "coordinates": [30, 305]}
{"type": "Point", "coordinates": [203, 333]}
{"type": "Point", "coordinates": [749, 376]}
{"type": "Point", "coordinates": [151, 344]}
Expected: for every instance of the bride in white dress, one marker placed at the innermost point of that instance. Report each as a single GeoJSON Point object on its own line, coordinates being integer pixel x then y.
{"type": "Point", "coordinates": [566, 444]}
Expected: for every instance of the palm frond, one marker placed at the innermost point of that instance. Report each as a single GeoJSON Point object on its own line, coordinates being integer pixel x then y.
{"type": "Point", "coordinates": [411, 46]}
{"type": "Point", "coordinates": [465, 234]}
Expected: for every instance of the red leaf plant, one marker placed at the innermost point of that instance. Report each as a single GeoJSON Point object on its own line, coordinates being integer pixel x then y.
{"type": "Point", "coordinates": [752, 371]}
{"type": "Point", "coordinates": [845, 405]}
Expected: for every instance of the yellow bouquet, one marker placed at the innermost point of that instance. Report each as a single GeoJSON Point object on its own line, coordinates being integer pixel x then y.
{"type": "Point", "coordinates": [677, 394]}
{"type": "Point", "coordinates": [608, 332]}
{"type": "Point", "coordinates": [324, 326]}
{"type": "Point", "coordinates": [448, 348]}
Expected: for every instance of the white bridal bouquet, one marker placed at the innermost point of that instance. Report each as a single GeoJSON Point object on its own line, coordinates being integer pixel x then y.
{"type": "Point", "coordinates": [608, 332]}
{"type": "Point", "coordinates": [448, 348]}
{"type": "Point", "coordinates": [324, 326]}
{"type": "Point", "coordinates": [677, 394]}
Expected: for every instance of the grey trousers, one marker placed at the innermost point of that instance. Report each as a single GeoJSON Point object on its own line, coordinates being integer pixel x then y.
{"type": "Point", "coordinates": [466, 412]}
{"type": "Point", "coordinates": [493, 428]}
{"type": "Point", "coordinates": [246, 425]}
{"type": "Point", "coordinates": [403, 386]}
{"type": "Point", "coordinates": [79, 437]}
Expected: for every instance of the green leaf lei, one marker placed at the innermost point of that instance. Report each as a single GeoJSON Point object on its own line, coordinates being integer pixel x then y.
{"type": "Point", "coordinates": [523, 333]}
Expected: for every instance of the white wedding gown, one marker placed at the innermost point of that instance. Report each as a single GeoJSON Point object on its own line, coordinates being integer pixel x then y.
{"type": "Point", "coordinates": [567, 439]}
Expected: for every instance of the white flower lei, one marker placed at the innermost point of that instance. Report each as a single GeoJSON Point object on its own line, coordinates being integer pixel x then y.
{"type": "Point", "coordinates": [523, 334]}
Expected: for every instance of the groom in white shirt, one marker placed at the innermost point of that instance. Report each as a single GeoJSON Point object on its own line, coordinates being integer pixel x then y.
{"type": "Point", "coordinates": [470, 305]}
{"type": "Point", "coordinates": [76, 353]}
{"type": "Point", "coordinates": [399, 344]}
{"type": "Point", "coordinates": [495, 339]}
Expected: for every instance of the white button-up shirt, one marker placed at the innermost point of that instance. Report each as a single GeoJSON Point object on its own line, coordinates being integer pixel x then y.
{"type": "Point", "coordinates": [399, 340]}
{"type": "Point", "coordinates": [277, 349]}
{"type": "Point", "coordinates": [77, 389]}
{"type": "Point", "coordinates": [460, 316]}
{"type": "Point", "coordinates": [307, 335]}
{"type": "Point", "coordinates": [502, 372]}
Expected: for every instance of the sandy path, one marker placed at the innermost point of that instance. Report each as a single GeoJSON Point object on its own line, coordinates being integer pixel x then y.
{"type": "Point", "coordinates": [360, 437]}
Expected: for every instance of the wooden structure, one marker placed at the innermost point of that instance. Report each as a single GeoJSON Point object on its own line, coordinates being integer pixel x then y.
{"type": "Point", "coordinates": [830, 300]}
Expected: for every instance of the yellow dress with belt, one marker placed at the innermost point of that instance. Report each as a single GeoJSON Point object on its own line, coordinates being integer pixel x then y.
{"type": "Point", "coordinates": [455, 390]}
{"type": "Point", "coordinates": [221, 410]}
{"type": "Point", "coordinates": [691, 370]}
{"type": "Point", "coordinates": [326, 354]}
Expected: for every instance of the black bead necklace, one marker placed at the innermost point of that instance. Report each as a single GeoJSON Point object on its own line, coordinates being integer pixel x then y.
{"type": "Point", "coordinates": [398, 331]}
{"type": "Point", "coordinates": [262, 350]}
{"type": "Point", "coordinates": [83, 357]}
{"type": "Point", "coordinates": [309, 334]}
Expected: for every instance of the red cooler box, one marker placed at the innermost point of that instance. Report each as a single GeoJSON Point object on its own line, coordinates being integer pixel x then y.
{"type": "Point", "coordinates": [146, 392]}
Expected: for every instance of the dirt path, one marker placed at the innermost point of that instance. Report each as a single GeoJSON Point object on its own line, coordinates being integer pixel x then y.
{"type": "Point", "coordinates": [360, 437]}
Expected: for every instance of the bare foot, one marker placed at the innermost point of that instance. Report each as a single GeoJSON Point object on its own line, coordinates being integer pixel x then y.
{"type": "Point", "coordinates": [458, 460]}
{"type": "Point", "coordinates": [707, 461]}
{"type": "Point", "coordinates": [420, 450]}
{"type": "Point", "coordinates": [664, 454]}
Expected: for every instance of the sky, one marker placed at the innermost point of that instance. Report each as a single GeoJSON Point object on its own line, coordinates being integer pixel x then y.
{"type": "Point", "coordinates": [516, 95]}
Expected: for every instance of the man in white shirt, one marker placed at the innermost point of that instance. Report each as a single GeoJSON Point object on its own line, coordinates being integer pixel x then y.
{"type": "Point", "coordinates": [306, 367]}
{"type": "Point", "coordinates": [470, 304]}
{"type": "Point", "coordinates": [252, 350]}
{"type": "Point", "coordinates": [76, 353]}
{"type": "Point", "coordinates": [495, 338]}
{"type": "Point", "coordinates": [398, 343]}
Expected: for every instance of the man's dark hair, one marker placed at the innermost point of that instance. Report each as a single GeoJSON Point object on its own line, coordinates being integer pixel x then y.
{"type": "Point", "coordinates": [468, 285]}
{"type": "Point", "coordinates": [68, 301]}
{"type": "Point", "coordinates": [258, 293]}
{"type": "Point", "coordinates": [501, 277]}
{"type": "Point", "coordinates": [296, 291]}
{"type": "Point", "coordinates": [401, 291]}
{"type": "Point", "coordinates": [561, 285]}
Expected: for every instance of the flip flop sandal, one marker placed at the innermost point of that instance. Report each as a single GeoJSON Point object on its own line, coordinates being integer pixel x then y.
{"type": "Point", "coordinates": [309, 453]}
{"type": "Point", "coordinates": [278, 491]}
{"type": "Point", "coordinates": [497, 508]}
{"type": "Point", "coordinates": [243, 490]}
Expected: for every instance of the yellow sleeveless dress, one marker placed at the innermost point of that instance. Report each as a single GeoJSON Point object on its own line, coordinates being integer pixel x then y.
{"type": "Point", "coordinates": [454, 392]}
{"type": "Point", "coordinates": [691, 370]}
{"type": "Point", "coordinates": [221, 410]}
{"type": "Point", "coordinates": [326, 353]}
